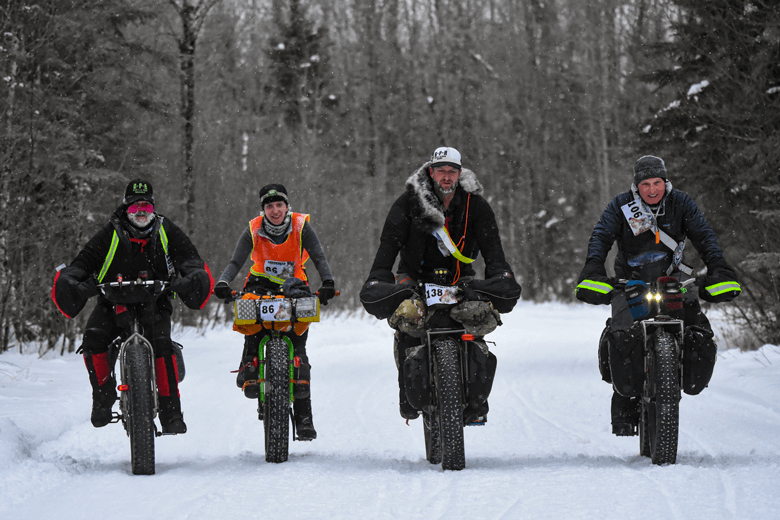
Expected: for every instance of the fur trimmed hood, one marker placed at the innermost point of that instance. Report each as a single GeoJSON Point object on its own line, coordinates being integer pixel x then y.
{"type": "Point", "coordinates": [419, 185]}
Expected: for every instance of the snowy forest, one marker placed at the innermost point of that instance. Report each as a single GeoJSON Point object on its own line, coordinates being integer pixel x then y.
{"type": "Point", "coordinates": [549, 102]}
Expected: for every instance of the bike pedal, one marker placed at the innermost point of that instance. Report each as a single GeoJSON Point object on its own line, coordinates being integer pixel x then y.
{"type": "Point", "coordinates": [115, 418]}
{"type": "Point", "coordinates": [478, 423]}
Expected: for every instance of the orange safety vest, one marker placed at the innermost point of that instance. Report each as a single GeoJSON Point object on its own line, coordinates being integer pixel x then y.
{"type": "Point", "coordinates": [282, 261]}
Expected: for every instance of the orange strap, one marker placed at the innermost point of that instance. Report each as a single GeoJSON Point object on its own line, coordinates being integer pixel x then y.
{"type": "Point", "coordinates": [460, 243]}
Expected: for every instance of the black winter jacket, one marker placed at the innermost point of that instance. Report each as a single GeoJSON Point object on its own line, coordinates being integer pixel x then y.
{"type": "Point", "coordinates": [679, 217]}
{"type": "Point", "coordinates": [418, 212]}
{"type": "Point", "coordinates": [132, 257]}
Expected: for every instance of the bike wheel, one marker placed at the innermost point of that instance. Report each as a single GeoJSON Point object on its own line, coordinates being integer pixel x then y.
{"type": "Point", "coordinates": [449, 397]}
{"type": "Point", "coordinates": [432, 431]}
{"type": "Point", "coordinates": [140, 408]}
{"type": "Point", "coordinates": [276, 416]}
{"type": "Point", "coordinates": [661, 413]}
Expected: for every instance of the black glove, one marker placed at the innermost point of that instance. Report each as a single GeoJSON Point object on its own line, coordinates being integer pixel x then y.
{"type": "Point", "coordinates": [327, 291]}
{"type": "Point", "coordinates": [183, 285]}
{"type": "Point", "coordinates": [719, 287]}
{"type": "Point", "coordinates": [88, 288]}
{"type": "Point", "coordinates": [595, 290]}
{"type": "Point", "coordinates": [467, 293]}
{"type": "Point", "coordinates": [222, 290]}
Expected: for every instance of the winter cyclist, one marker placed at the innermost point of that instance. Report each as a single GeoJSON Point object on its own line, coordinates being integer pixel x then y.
{"type": "Point", "coordinates": [650, 223]}
{"type": "Point", "coordinates": [280, 242]}
{"type": "Point", "coordinates": [135, 243]}
{"type": "Point", "coordinates": [441, 222]}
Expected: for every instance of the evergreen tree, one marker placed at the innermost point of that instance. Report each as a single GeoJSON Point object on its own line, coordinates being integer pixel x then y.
{"type": "Point", "coordinates": [66, 94]}
{"type": "Point", "coordinates": [298, 66]}
{"type": "Point", "coordinates": [718, 128]}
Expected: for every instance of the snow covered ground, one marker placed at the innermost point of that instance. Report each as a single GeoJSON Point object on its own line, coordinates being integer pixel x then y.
{"type": "Point", "coordinates": [547, 451]}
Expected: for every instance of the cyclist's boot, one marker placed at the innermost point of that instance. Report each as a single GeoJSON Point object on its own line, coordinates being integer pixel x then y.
{"type": "Point", "coordinates": [103, 388]}
{"type": "Point", "coordinates": [625, 415]}
{"type": "Point", "coordinates": [247, 371]}
{"type": "Point", "coordinates": [171, 418]}
{"type": "Point", "coordinates": [102, 401]}
{"type": "Point", "coordinates": [304, 425]}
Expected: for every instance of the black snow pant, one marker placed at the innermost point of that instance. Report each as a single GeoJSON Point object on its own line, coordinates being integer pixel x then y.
{"type": "Point", "coordinates": [105, 324]}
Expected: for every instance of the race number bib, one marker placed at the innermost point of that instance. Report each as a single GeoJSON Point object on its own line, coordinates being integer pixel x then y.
{"type": "Point", "coordinates": [275, 309]}
{"type": "Point", "coordinates": [440, 294]}
{"type": "Point", "coordinates": [279, 269]}
{"type": "Point", "coordinates": [637, 219]}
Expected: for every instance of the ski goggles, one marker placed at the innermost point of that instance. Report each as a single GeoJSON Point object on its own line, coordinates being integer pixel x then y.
{"type": "Point", "coordinates": [140, 206]}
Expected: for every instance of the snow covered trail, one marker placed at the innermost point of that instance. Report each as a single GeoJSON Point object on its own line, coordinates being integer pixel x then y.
{"type": "Point", "coordinates": [546, 452]}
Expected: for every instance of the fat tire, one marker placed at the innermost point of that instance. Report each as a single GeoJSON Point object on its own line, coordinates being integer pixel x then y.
{"type": "Point", "coordinates": [449, 402]}
{"type": "Point", "coordinates": [276, 417]}
{"type": "Point", "coordinates": [432, 432]}
{"type": "Point", "coordinates": [660, 419]}
{"type": "Point", "coordinates": [140, 408]}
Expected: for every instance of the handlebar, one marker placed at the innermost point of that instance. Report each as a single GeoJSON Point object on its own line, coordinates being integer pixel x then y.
{"type": "Point", "coordinates": [147, 283]}
{"type": "Point", "coordinates": [134, 291]}
{"type": "Point", "coordinates": [622, 282]}
{"type": "Point", "coordinates": [236, 295]}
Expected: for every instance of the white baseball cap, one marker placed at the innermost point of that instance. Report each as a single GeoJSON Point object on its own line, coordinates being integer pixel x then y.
{"type": "Point", "coordinates": [446, 155]}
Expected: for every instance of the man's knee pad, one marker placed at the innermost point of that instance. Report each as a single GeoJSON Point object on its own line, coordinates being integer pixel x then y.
{"type": "Point", "coordinates": [627, 361]}
{"type": "Point", "coordinates": [699, 356]}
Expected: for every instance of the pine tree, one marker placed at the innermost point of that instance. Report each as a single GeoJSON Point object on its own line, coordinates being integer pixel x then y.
{"type": "Point", "coordinates": [64, 98]}
{"type": "Point", "coordinates": [717, 126]}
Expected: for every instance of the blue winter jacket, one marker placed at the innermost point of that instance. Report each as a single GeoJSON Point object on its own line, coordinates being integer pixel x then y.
{"type": "Point", "coordinates": [679, 217]}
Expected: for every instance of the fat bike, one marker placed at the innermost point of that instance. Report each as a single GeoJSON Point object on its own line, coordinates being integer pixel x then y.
{"type": "Point", "coordinates": [138, 403]}
{"type": "Point", "coordinates": [658, 308]}
{"type": "Point", "coordinates": [276, 362]}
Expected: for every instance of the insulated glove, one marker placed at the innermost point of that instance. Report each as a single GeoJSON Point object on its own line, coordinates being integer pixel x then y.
{"type": "Point", "coordinates": [327, 291]}
{"type": "Point", "coordinates": [719, 287]}
{"type": "Point", "coordinates": [88, 288]}
{"type": "Point", "coordinates": [222, 290]}
{"type": "Point", "coordinates": [182, 285]}
{"type": "Point", "coordinates": [595, 290]}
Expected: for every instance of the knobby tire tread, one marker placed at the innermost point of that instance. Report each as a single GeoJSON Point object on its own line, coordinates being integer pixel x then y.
{"type": "Point", "coordinates": [277, 400]}
{"type": "Point", "coordinates": [140, 395]}
{"type": "Point", "coordinates": [449, 394]}
{"type": "Point", "coordinates": [664, 407]}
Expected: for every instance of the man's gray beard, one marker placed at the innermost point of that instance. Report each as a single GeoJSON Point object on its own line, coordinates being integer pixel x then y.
{"type": "Point", "coordinates": [441, 192]}
{"type": "Point", "coordinates": [149, 219]}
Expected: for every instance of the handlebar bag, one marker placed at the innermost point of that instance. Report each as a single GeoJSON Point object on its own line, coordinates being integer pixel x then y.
{"type": "Point", "coordinates": [381, 299]}
{"type": "Point", "coordinates": [503, 291]}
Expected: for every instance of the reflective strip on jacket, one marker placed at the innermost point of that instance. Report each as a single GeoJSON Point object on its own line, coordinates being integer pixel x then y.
{"type": "Point", "coordinates": [115, 244]}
